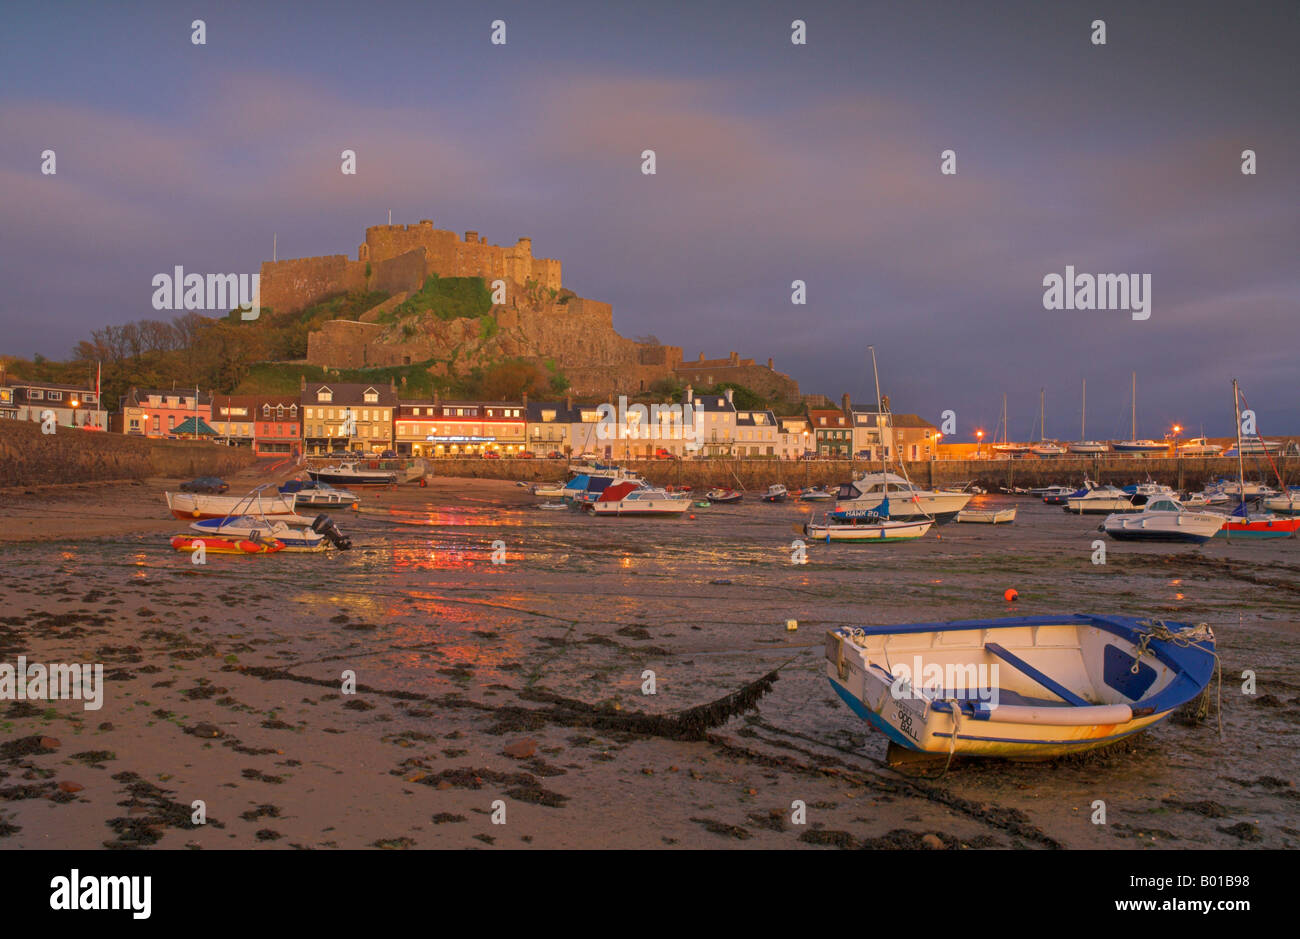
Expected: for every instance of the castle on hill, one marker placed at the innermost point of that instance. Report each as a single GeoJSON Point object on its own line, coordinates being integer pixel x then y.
{"type": "Point", "coordinates": [540, 320]}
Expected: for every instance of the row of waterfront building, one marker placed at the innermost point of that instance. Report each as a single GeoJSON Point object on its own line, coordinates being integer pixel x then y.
{"type": "Point", "coordinates": [348, 417]}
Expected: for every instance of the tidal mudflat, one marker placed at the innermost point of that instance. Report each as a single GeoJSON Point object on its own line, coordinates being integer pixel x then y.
{"type": "Point", "coordinates": [486, 688]}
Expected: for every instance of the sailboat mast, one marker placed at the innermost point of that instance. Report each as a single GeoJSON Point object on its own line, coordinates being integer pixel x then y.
{"type": "Point", "coordinates": [1134, 428]}
{"type": "Point", "coordinates": [1042, 414]}
{"type": "Point", "coordinates": [1004, 418]}
{"type": "Point", "coordinates": [1083, 424]}
{"type": "Point", "coordinates": [880, 433]}
{"type": "Point", "coordinates": [1241, 466]}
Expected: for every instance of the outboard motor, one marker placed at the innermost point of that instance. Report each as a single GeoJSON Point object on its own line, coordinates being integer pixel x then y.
{"type": "Point", "coordinates": [324, 526]}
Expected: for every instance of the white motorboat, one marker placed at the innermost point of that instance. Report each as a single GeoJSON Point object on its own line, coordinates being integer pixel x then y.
{"type": "Point", "coordinates": [988, 516]}
{"type": "Point", "coordinates": [352, 474]}
{"type": "Point", "coordinates": [866, 494]}
{"type": "Point", "coordinates": [1047, 449]}
{"type": "Point", "coordinates": [815, 494]}
{"type": "Point", "coordinates": [1199, 446]}
{"type": "Point", "coordinates": [628, 498]}
{"type": "Point", "coordinates": [776, 493]}
{"type": "Point", "coordinates": [1286, 503]}
{"type": "Point", "coordinates": [1086, 447]}
{"type": "Point", "coordinates": [1100, 500]}
{"type": "Point", "coordinates": [309, 493]}
{"type": "Point", "coordinates": [1256, 446]}
{"type": "Point", "coordinates": [1164, 520]}
{"type": "Point", "coordinates": [1148, 491]}
{"type": "Point", "coordinates": [867, 529]}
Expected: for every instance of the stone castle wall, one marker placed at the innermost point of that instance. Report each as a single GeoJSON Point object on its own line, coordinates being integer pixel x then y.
{"type": "Point", "coordinates": [399, 258]}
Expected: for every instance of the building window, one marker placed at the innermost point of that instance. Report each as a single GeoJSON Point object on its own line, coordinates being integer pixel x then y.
{"type": "Point", "coordinates": [372, 397]}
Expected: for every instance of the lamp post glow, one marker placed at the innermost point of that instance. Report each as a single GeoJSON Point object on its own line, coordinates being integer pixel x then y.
{"type": "Point", "coordinates": [979, 447]}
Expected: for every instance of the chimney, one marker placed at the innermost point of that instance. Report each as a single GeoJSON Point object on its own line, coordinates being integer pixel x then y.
{"type": "Point", "coordinates": [302, 382]}
{"type": "Point", "coordinates": [392, 384]}
{"type": "Point", "coordinates": [847, 407]}
{"type": "Point", "coordinates": [688, 396]}
{"type": "Point", "coordinates": [525, 401]}
{"type": "Point", "coordinates": [568, 402]}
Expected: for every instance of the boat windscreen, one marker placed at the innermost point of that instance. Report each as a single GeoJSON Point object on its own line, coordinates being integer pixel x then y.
{"type": "Point", "coordinates": [848, 491]}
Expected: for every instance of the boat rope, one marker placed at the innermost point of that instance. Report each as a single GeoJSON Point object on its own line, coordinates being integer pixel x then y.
{"type": "Point", "coordinates": [1188, 637]}
{"type": "Point", "coordinates": [952, 740]}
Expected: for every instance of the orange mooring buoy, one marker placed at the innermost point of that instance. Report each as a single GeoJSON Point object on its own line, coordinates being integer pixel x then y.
{"type": "Point", "coordinates": [1010, 595]}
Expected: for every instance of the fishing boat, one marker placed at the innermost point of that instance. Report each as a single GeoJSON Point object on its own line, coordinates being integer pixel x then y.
{"type": "Point", "coordinates": [1023, 687]}
{"type": "Point", "coordinates": [1057, 495]}
{"type": "Point", "coordinates": [867, 529]}
{"type": "Point", "coordinates": [776, 493]}
{"type": "Point", "coordinates": [190, 505]}
{"type": "Point", "coordinates": [311, 493]}
{"type": "Point", "coordinates": [724, 496]}
{"type": "Point", "coordinates": [988, 516]}
{"type": "Point", "coordinates": [629, 498]}
{"type": "Point", "coordinates": [1083, 446]}
{"type": "Point", "coordinates": [1100, 500]}
{"type": "Point", "coordinates": [1134, 445]}
{"type": "Point", "coordinates": [352, 474]}
{"type": "Point", "coordinates": [815, 494]}
{"type": "Point", "coordinates": [225, 545]}
{"type": "Point", "coordinates": [1163, 519]}
{"type": "Point", "coordinates": [1199, 446]}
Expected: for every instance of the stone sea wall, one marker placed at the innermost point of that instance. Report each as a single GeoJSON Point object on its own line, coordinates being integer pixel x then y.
{"type": "Point", "coordinates": [31, 458]}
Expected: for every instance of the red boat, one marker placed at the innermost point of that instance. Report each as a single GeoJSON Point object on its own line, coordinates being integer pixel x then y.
{"type": "Point", "coordinates": [226, 545]}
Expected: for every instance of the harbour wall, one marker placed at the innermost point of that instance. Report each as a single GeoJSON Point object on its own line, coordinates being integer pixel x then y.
{"type": "Point", "coordinates": [1186, 473]}
{"type": "Point", "coordinates": [69, 455]}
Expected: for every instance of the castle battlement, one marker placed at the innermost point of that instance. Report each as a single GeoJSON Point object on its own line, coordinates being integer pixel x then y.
{"type": "Point", "coordinates": [399, 257]}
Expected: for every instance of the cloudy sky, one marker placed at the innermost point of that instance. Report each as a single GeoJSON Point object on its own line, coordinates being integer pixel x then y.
{"type": "Point", "coordinates": [776, 162]}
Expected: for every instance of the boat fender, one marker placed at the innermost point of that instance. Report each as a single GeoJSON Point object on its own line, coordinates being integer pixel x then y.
{"type": "Point", "coordinates": [195, 513]}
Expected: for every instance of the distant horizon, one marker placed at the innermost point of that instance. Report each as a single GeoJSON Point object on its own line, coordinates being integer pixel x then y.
{"type": "Point", "coordinates": [776, 162]}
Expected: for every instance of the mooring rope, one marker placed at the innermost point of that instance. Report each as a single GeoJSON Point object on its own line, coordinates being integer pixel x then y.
{"type": "Point", "coordinates": [1192, 637]}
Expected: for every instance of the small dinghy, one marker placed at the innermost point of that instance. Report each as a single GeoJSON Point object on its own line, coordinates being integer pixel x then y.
{"type": "Point", "coordinates": [988, 516]}
{"type": "Point", "coordinates": [548, 490]}
{"type": "Point", "coordinates": [553, 506]}
{"type": "Point", "coordinates": [226, 545]}
{"type": "Point", "coordinates": [1023, 687]}
{"type": "Point", "coordinates": [868, 529]}
{"type": "Point", "coordinates": [776, 493]}
{"type": "Point", "coordinates": [724, 496]}
{"type": "Point", "coordinates": [1164, 520]}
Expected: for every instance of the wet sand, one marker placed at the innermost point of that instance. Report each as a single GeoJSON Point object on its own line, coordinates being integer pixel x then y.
{"type": "Point", "coordinates": [521, 682]}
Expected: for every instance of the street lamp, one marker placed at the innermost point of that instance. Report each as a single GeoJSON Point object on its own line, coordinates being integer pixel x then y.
{"type": "Point", "coordinates": [979, 447]}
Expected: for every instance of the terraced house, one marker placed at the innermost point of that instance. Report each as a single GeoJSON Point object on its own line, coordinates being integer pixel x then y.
{"type": "Point", "coordinates": [460, 428]}
{"type": "Point", "coordinates": [152, 412]}
{"type": "Point", "coordinates": [269, 424]}
{"type": "Point", "coordinates": [347, 417]}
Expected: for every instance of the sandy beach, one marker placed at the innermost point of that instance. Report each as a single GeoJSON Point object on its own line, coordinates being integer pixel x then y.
{"type": "Point", "coordinates": [512, 692]}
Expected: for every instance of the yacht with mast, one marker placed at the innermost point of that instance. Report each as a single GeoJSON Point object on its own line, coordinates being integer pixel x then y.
{"type": "Point", "coordinates": [1133, 445]}
{"type": "Point", "coordinates": [1044, 447]}
{"type": "Point", "coordinates": [1083, 445]}
{"type": "Point", "coordinates": [891, 496]}
{"type": "Point", "coordinates": [1010, 449]}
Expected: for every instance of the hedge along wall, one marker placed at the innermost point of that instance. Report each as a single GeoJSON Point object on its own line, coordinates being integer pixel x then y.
{"type": "Point", "coordinates": [31, 458]}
